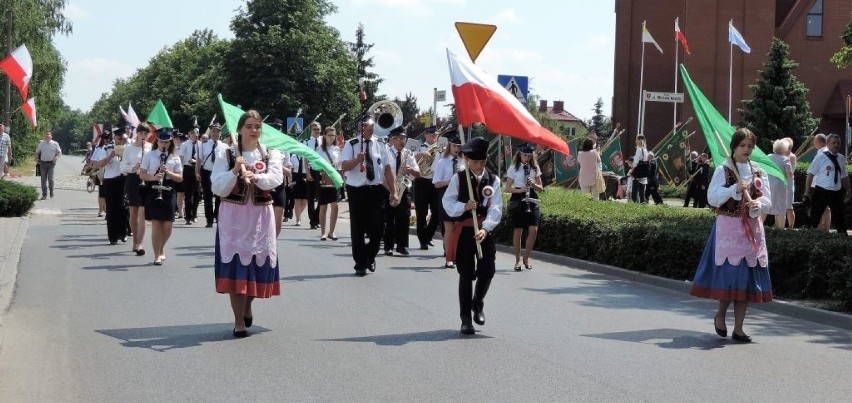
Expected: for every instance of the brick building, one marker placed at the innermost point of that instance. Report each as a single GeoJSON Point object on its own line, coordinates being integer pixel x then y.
{"type": "Point", "coordinates": [812, 28]}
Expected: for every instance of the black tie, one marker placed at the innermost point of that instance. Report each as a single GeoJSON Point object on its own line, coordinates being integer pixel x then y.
{"type": "Point", "coordinates": [455, 161]}
{"type": "Point", "coordinates": [368, 161]}
{"type": "Point", "coordinates": [193, 150]}
{"type": "Point", "coordinates": [398, 159]}
{"type": "Point", "coordinates": [833, 159]}
{"type": "Point", "coordinates": [213, 157]}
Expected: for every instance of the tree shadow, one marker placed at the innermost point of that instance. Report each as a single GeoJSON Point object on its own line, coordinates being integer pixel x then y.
{"type": "Point", "coordinates": [165, 338]}
{"type": "Point", "coordinates": [118, 267]}
{"type": "Point", "coordinates": [311, 277]}
{"type": "Point", "coordinates": [102, 256]}
{"type": "Point", "coordinates": [402, 339]}
{"type": "Point", "coordinates": [668, 338]}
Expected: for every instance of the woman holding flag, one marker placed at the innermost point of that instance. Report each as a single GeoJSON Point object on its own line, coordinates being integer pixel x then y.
{"type": "Point", "coordinates": [246, 259]}
{"type": "Point", "coordinates": [734, 267]}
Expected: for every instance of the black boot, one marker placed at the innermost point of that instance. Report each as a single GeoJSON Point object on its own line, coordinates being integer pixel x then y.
{"type": "Point", "coordinates": [465, 297]}
{"type": "Point", "coordinates": [478, 304]}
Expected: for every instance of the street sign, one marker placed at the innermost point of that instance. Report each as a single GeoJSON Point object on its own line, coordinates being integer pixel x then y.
{"type": "Point", "coordinates": [516, 85]}
{"type": "Point", "coordinates": [299, 125]}
{"type": "Point", "coordinates": [474, 36]}
{"type": "Point", "coordinates": [673, 97]}
{"type": "Point", "coordinates": [441, 96]}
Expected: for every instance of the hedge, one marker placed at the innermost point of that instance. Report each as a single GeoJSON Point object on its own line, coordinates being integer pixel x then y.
{"type": "Point", "coordinates": [16, 199]}
{"type": "Point", "coordinates": [668, 241]}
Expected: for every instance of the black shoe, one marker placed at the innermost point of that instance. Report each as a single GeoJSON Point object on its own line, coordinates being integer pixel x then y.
{"type": "Point", "coordinates": [742, 339]}
{"type": "Point", "coordinates": [140, 252]}
{"type": "Point", "coordinates": [388, 253]}
{"type": "Point", "coordinates": [188, 222]}
{"type": "Point", "coordinates": [402, 251]}
{"type": "Point", "coordinates": [517, 266]}
{"type": "Point", "coordinates": [467, 327]}
{"type": "Point", "coordinates": [209, 225]}
{"type": "Point", "coordinates": [431, 244]}
{"type": "Point", "coordinates": [240, 334]}
{"type": "Point", "coordinates": [449, 265]}
{"type": "Point", "coordinates": [113, 242]}
{"type": "Point", "coordinates": [360, 271]}
{"type": "Point", "coordinates": [424, 247]}
{"type": "Point", "coordinates": [248, 320]}
{"type": "Point", "coordinates": [314, 226]}
{"type": "Point", "coordinates": [721, 332]}
{"type": "Point", "coordinates": [372, 267]}
{"type": "Point", "coordinates": [478, 314]}
{"type": "Point", "coordinates": [124, 239]}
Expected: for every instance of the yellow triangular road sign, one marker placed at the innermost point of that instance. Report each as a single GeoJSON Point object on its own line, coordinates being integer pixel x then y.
{"type": "Point", "coordinates": [475, 36]}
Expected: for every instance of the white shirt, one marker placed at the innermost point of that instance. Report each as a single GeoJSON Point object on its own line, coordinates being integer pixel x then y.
{"type": "Point", "coordinates": [132, 155]}
{"type": "Point", "coordinates": [206, 155]}
{"type": "Point", "coordinates": [334, 151]}
{"type": "Point", "coordinates": [313, 143]}
{"type": "Point", "coordinates": [113, 167]}
{"type": "Point", "coordinates": [718, 194]}
{"type": "Point", "coordinates": [299, 164]}
{"type": "Point", "coordinates": [517, 176]}
{"type": "Point", "coordinates": [409, 161]}
{"type": "Point", "coordinates": [377, 151]}
{"type": "Point", "coordinates": [151, 163]}
{"type": "Point", "coordinates": [455, 208]}
{"type": "Point", "coordinates": [641, 155]}
{"type": "Point", "coordinates": [185, 151]}
{"type": "Point", "coordinates": [443, 168]}
{"type": "Point", "coordinates": [223, 180]}
{"type": "Point", "coordinates": [48, 150]}
{"type": "Point", "coordinates": [823, 171]}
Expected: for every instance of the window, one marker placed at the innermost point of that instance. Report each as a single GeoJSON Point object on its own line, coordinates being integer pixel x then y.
{"type": "Point", "coordinates": [571, 131]}
{"type": "Point", "coordinates": [814, 28]}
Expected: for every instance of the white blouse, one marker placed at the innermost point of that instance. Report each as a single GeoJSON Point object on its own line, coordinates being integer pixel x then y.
{"type": "Point", "coordinates": [444, 170]}
{"type": "Point", "coordinates": [223, 180]}
{"type": "Point", "coordinates": [718, 193]}
{"type": "Point", "coordinates": [517, 175]}
{"type": "Point", "coordinates": [151, 163]}
{"type": "Point", "coordinates": [132, 155]}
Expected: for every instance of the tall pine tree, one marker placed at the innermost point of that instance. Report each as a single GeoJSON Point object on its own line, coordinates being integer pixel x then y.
{"type": "Point", "coordinates": [779, 107]}
{"type": "Point", "coordinates": [359, 50]}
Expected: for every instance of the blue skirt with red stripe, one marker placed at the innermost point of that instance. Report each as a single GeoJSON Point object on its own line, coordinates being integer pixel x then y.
{"type": "Point", "coordinates": [729, 282]}
{"type": "Point", "coordinates": [253, 280]}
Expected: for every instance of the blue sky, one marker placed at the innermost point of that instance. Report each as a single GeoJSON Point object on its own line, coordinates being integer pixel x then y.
{"type": "Point", "coordinates": [566, 48]}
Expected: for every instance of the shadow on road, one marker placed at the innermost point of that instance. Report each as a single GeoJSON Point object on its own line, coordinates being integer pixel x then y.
{"type": "Point", "coordinates": [667, 338]}
{"type": "Point", "coordinates": [309, 277]}
{"type": "Point", "coordinates": [119, 267]}
{"type": "Point", "coordinates": [164, 338]}
{"type": "Point", "coordinates": [402, 339]}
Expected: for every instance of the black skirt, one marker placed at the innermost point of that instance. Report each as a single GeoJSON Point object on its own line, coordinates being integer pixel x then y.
{"type": "Point", "coordinates": [328, 195]}
{"type": "Point", "coordinates": [134, 192]}
{"type": "Point", "coordinates": [523, 219]}
{"type": "Point", "coordinates": [300, 187]}
{"type": "Point", "coordinates": [160, 210]}
{"type": "Point", "coordinates": [279, 199]}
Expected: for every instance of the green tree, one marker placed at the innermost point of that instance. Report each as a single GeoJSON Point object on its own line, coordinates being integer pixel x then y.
{"type": "Point", "coordinates": [359, 50]}
{"type": "Point", "coordinates": [285, 57]}
{"type": "Point", "coordinates": [778, 107]}
{"type": "Point", "coordinates": [599, 123]}
{"type": "Point", "coordinates": [71, 128]}
{"type": "Point", "coordinates": [843, 57]}
{"type": "Point", "coordinates": [34, 23]}
{"type": "Point", "coordinates": [409, 108]}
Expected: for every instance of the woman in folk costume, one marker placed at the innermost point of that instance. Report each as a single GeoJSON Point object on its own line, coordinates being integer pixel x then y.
{"type": "Point", "coordinates": [246, 261]}
{"type": "Point", "coordinates": [735, 265]}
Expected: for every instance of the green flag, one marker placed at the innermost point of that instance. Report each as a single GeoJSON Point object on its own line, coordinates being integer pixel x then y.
{"type": "Point", "coordinates": [567, 168]}
{"type": "Point", "coordinates": [611, 157]}
{"type": "Point", "coordinates": [671, 156]}
{"type": "Point", "coordinates": [807, 156]}
{"type": "Point", "coordinates": [712, 123]}
{"type": "Point", "coordinates": [276, 140]}
{"type": "Point", "coordinates": [159, 116]}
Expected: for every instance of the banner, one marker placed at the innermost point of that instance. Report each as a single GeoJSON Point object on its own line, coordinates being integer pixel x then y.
{"type": "Point", "coordinates": [612, 158]}
{"type": "Point", "coordinates": [671, 157]}
{"type": "Point", "coordinates": [566, 167]}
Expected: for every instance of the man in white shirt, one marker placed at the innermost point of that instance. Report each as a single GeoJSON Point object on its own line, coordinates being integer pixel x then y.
{"type": "Point", "coordinates": [827, 179]}
{"type": "Point", "coordinates": [190, 152]}
{"type": "Point", "coordinates": [369, 182]}
{"type": "Point", "coordinates": [426, 199]}
{"type": "Point", "coordinates": [397, 217]}
{"type": "Point", "coordinates": [313, 176]}
{"type": "Point", "coordinates": [106, 159]}
{"type": "Point", "coordinates": [5, 150]}
{"type": "Point", "coordinates": [204, 170]}
{"type": "Point", "coordinates": [47, 153]}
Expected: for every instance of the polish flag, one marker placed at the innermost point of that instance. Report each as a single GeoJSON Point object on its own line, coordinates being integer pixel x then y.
{"type": "Point", "coordinates": [19, 67]}
{"type": "Point", "coordinates": [480, 98]}
{"type": "Point", "coordinates": [679, 36]}
{"type": "Point", "coordinates": [29, 109]}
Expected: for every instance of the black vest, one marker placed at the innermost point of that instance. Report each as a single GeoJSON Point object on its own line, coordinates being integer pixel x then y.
{"type": "Point", "coordinates": [734, 208]}
{"type": "Point", "coordinates": [239, 194]}
{"type": "Point", "coordinates": [464, 196]}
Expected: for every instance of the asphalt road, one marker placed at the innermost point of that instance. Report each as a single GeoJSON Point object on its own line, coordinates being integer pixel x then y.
{"type": "Point", "coordinates": [93, 322]}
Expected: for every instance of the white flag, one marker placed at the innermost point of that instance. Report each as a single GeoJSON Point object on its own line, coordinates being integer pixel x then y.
{"type": "Point", "coordinates": [647, 38]}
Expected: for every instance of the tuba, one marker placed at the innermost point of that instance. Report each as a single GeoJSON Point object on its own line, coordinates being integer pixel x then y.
{"type": "Point", "coordinates": [388, 115]}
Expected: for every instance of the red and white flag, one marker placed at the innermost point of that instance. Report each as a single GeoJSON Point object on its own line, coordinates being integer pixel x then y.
{"type": "Point", "coordinates": [19, 67]}
{"type": "Point", "coordinates": [480, 98]}
{"type": "Point", "coordinates": [97, 129]}
{"type": "Point", "coordinates": [679, 36]}
{"type": "Point", "coordinates": [29, 109]}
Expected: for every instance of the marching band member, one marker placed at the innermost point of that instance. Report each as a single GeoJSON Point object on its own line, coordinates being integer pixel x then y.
{"type": "Point", "coordinates": [312, 186]}
{"type": "Point", "coordinates": [426, 200]}
{"type": "Point", "coordinates": [487, 202]}
{"type": "Point", "coordinates": [299, 190]}
{"type": "Point", "coordinates": [134, 188]}
{"type": "Point", "coordinates": [735, 265]}
{"type": "Point", "coordinates": [204, 171]}
{"type": "Point", "coordinates": [369, 179]}
{"type": "Point", "coordinates": [190, 154]}
{"type": "Point", "coordinates": [444, 169]}
{"type": "Point", "coordinates": [397, 217]}
{"type": "Point", "coordinates": [246, 262]}
{"type": "Point", "coordinates": [523, 180]}
{"type": "Point", "coordinates": [328, 194]}
{"type": "Point", "coordinates": [113, 188]}
{"type": "Point", "coordinates": [161, 169]}
{"type": "Point", "coordinates": [279, 194]}
{"type": "Point", "coordinates": [179, 139]}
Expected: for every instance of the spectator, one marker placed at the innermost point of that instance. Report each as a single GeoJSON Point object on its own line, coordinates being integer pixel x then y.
{"type": "Point", "coordinates": [827, 179]}
{"type": "Point", "coordinates": [640, 170]}
{"type": "Point", "coordinates": [778, 189]}
{"type": "Point", "coordinates": [653, 189]}
{"type": "Point", "coordinates": [588, 158]}
{"type": "Point", "coordinates": [47, 153]}
{"type": "Point", "coordinates": [5, 150]}
{"type": "Point", "coordinates": [820, 141]}
{"type": "Point", "coordinates": [791, 184]}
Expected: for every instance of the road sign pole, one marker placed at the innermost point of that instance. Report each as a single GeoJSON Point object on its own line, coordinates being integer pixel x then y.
{"type": "Point", "coordinates": [434, 117]}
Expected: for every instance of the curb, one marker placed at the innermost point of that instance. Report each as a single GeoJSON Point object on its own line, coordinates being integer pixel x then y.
{"type": "Point", "coordinates": [13, 231]}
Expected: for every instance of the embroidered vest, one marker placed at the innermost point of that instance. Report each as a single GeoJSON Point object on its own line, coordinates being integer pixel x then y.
{"type": "Point", "coordinates": [734, 208]}
{"type": "Point", "coordinates": [239, 194]}
{"type": "Point", "coordinates": [464, 196]}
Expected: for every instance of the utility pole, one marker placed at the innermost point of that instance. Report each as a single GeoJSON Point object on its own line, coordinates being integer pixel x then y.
{"type": "Point", "coordinates": [8, 106]}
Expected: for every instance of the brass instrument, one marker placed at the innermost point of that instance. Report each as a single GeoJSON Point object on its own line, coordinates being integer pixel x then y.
{"type": "Point", "coordinates": [388, 116]}
{"type": "Point", "coordinates": [425, 163]}
{"type": "Point", "coordinates": [403, 182]}
{"type": "Point", "coordinates": [159, 186]}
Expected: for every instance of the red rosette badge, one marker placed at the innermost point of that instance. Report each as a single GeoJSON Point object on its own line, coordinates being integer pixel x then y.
{"type": "Point", "coordinates": [487, 191]}
{"type": "Point", "coordinates": [259, 166]}
{"type": "Point", "coordinates": [758, 184]}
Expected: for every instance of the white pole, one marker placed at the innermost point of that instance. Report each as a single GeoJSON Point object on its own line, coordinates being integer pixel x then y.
{"type": "Point", "coordinates": [730, 74]}
{"type": "Point", "coordinates": [641, 89]}
{"type": "Point", "coordinates": [674, 104]}
{"type": "Point", "coordinates": [434, 107]}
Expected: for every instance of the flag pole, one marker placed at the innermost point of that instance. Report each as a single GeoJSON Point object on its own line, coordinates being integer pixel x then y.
{"type": "Point", "coordinates": [470, 192]}
{"type": "Point", "coordinates": [674, 104]}
{"type": "Point", "coordinates": [730, 72]}
{"type": "Point", "coordinates": [641, 84]}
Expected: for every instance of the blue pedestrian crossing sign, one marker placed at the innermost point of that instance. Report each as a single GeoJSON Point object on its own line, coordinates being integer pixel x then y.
{"type": "Point", "coordinates": [516, 85]}
{"type": "Point", "coordinates": [299, 125]}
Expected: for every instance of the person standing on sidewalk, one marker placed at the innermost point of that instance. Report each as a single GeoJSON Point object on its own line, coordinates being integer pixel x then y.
{"type": "Point", "coordinates": [47, 153]}
{"type": "Point", "coordinates": [5, 150]}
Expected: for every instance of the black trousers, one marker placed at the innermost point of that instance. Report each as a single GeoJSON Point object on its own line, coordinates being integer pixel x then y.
{"type": "Point", "coordinates": [426, 202]}
{"type": "Point", "coordinates": [116, 215]}
{"type": "Point", "coordinates": [366, 210]}
{"type": "Point", "coordinates": [191, 196]}
{"type": "Point", "coordinates": [397, 223]}
{"type": "Point", "coordinates": [652, 191]}
{"type": "Point", "coordinates": [313, 194]}
{"type": "Point", "coordinates": [211, 201]}
{"type": "Point", "coordinates": [691, 194]}
{"type": "Point", "coordinates": [637, 192]}
{"type": "Point", "coordinates": [289, 202]}
{"type": "Point", "coordinates": [467, 264]}
{"type": "Point", "coordinates": [823, 198]}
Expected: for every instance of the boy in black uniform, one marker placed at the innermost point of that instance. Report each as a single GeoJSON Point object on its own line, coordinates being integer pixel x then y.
{"type": "Point", "coordinates": [487, 202]}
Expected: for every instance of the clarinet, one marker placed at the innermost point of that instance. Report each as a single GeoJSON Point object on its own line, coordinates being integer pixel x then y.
{"type": "Point", "coordinates": [527, 193]}
{"type": "Point", "coordinates": [141, 182]}
{"type": "Point", "coordinates": [160, 186]}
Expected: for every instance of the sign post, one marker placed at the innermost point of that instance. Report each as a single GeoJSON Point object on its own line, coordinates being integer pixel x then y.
{"type": "Point", "coordinates": [648, 96]}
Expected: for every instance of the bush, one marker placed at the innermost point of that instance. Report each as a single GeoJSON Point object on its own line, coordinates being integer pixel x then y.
{"type": "Point", "coordinates": [16, 199]}
{"type": "Point", "coordinates": [667, 241]}
{"type": "Point", "coordinates": [673, 191]}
